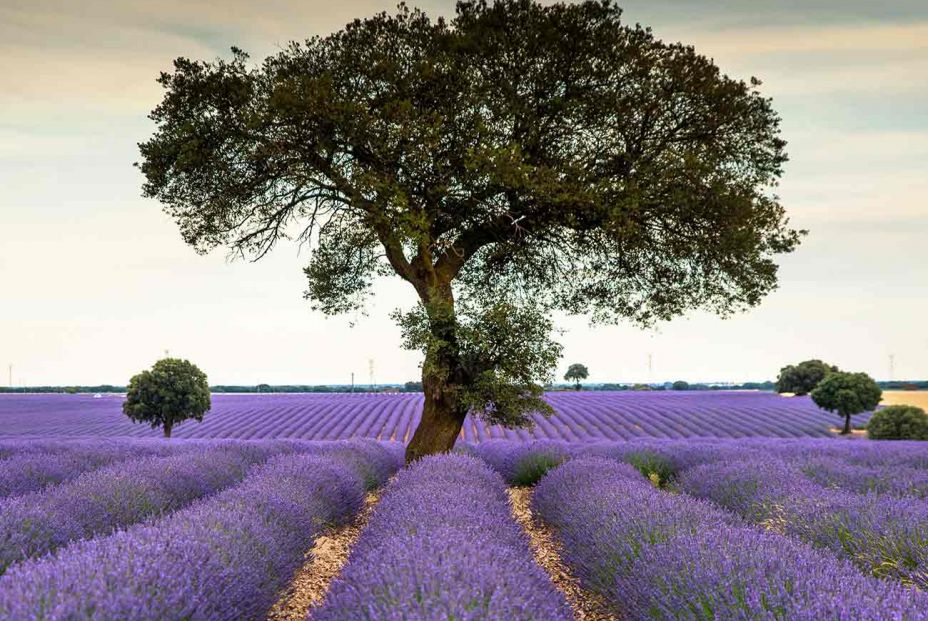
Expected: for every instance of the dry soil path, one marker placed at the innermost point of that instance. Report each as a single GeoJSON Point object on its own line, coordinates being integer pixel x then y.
{"type": "Point", "coordinates": [587, 606]}
{"type": "Point", "coordinates": [323, 563]}
{"type": "Point", "coordinates": [330, 552]}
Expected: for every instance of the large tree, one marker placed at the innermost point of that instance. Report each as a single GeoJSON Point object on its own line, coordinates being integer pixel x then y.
{"type": "Point", "coordinates": [514, 160]}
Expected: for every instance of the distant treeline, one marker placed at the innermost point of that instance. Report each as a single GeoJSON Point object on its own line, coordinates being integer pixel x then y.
{"type": "Point", "coordinates": [417, 387]}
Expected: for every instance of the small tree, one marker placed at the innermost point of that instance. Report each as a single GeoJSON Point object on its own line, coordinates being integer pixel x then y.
{"type": "Point", "coordinates": [847, 394]}
{"type": "Point", "coordinates": [898, 422]}
{"type": "Point", "coordinates": [171, 392]}
{"type": "Point", "coordinates": [802, 378]}
{"type": "Point", "coordinates": [575, 373]}
{"type": "Point", "coordinates": [681, 385]}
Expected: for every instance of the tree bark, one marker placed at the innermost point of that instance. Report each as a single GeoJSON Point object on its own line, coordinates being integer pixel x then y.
{"type": "Point", "coordinates": [167, 430]}
{"type": "Point", "coordinates": [847, 425]}
{"type": "Point", "coordinates": [441, 420]}
{"type": "Point", "coordinates": [442, 416]}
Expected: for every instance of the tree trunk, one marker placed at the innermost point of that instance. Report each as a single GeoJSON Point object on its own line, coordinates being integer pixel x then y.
{"type": "Point", "coordinates": [167, 430]}
{"type": "Point", "coordinates": [441, 420]}
{"type": "Point", "coordinates": [442, 416]}
{"type": "Point", "coordinates": [847, 425]}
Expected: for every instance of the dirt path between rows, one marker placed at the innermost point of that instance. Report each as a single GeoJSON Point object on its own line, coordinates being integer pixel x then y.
{"type": "Point", "coordinates": [587, 606]}
{"type": "Point", "coordinates": [323, 563]}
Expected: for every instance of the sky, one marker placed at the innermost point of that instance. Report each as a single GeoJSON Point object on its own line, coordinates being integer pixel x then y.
{"type": "Point", "coordinates": [96, 283]}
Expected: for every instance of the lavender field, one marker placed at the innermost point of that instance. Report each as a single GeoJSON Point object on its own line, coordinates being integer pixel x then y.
{"type": "Point", "coordinates": [707, 529]}
{"type": "Point", "coordinates": [581, 417]}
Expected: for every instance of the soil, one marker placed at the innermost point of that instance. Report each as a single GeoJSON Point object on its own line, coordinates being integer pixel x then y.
{"type": "Point", "coordinates": [587, 606]}
{"type": "Point", "coordinates": [323, 563]}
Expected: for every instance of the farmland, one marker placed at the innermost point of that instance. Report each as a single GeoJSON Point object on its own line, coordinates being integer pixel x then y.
{"type": "Point", "coordinates": [580, 417]}
{"type": "Point", "coordinates": [758, 528]}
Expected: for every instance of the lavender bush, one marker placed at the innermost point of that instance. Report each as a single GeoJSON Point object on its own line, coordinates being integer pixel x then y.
{"type": "Point", "coordinates": [522, 463]}
{"type": "Point", "coordinates": [442, 544]}
{"type": "Point", "coordinates": [889, 479]}
{"type": "Point", "coordinates": [224, 558]}
{"type": "Point", "coordinates": [882, 535]}
{"type": "Point", "coordinates": [29, 471]}
{"type": "Point", "coordinates": [746, 573]}
{"type": "Point", "coordinates": [655, 555]}
{"type": "Point", "coordinates": [113, 497]}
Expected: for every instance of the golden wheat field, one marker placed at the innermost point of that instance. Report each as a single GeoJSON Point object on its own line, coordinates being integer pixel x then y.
{"type": "Point", "coordinates": [906, 397]}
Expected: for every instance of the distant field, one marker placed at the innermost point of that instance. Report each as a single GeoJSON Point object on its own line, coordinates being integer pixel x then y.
{"type": "Point", "coordinates": [906, 397]}
{"type": "Point", "coordinates": [583, 417]}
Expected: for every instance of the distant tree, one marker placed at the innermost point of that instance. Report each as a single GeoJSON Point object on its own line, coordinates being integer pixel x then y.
{"type": "Point", "coordinates": [171, 392]}
{"type": "Point", "coordinates": [847, 394]}
{"type": "Point", "coordinates": [412, 387]}
{"type": "Point", "coordinates": [898, 422]}
{"type": "Point", "coordinates": [680, 385]}
{"type": "Point", "coordinates": [513, 161]}
{"type": "Point", "coordinates": [803, 377]}
{"type": "Point", "coordinates": [263, 388]}
{"type": "Point", "coordinates": [641, 387]}
{"type": "Point", "coordinates": [575, 373]}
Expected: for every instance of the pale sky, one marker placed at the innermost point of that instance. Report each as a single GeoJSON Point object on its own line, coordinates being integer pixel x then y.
{"type": "Point", "coordinates": [96, 282]}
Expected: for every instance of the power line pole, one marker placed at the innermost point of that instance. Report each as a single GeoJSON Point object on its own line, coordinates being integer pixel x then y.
{"type": "Point", "coordinates": [892, 367]}
{"type": "Point", "coordinates": [370, 370]}
{"type": "Point", "coordinates": [650, 368]}
{"type": "Point", "coordinates": [352, 381]}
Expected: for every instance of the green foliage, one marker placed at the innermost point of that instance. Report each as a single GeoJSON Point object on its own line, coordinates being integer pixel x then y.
{"type": "Point", "coordinates": [518, 156]}
{"type": "Point", "coordinates": [802, 378]}
{"type": "Point", "coordinates": [847, 394]}
{"type": "Point", "coordinates": [533, 466]}
{"type": "Point", "coordinates": [502, 349]}
{"type": "Point", "coordinates": [171, 392]}
{"type": "Point", "coordinates": [575, 373]}
{"type": "Point", "coordinates": [681, 385]}
{"type": "Point", "coordinates": [657, 468]}
{"type": "Point", "coordinates": [412, 387]}
{"type": "Point", "coordinates": [898, 422]}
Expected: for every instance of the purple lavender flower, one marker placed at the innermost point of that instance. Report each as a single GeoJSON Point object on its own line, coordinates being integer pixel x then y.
{"type": "Point", "coordinates": [522, 463]}
{"type": "Point", "coordinates": [442, 544]}
{"type": "Point", "coordinates": [656, 555]}
{"type": "Point", "coordinates": [100, 501]}
{"type": "Point", "coordinates": [746, 573]}
{"type": "Point", "coordinates": [223, 558]}
{"type": "Point", "coordinates": [882, 535]}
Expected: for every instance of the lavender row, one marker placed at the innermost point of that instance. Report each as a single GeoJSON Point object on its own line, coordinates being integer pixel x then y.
{"type": "Point", "coordinates": [100, 501]}
{"type": "Point", "coordinates": [893, 480]}
{"type": "Point", "coordinates": [10, 447]}
{"type": "Point", "coordinates": [442, 544]}
{"type": "Point", "coordinates": [225, 557]}
{"type": "Point", "coordinates": [29, 471]}
{"type": "Point", "coordinates": [581, 417]}
{"type": "Point", "coordinates": [896, 468]}
{"type": "Point", "coordinates": [883, 535]}
{"type": "Point", "coordinates": [654, 555]}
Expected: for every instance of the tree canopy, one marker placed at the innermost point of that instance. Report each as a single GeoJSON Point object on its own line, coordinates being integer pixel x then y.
{"type": "Point", "coordinates": [802, 378]}
{"type": "Point", "coordinates": [514, 160]}
{"type": "Point", "coordinates": [575, 373]}
{"type": "Point", "coordinates": [171, 392]}
{"type": "Point", "coordinates": [847, 394]}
